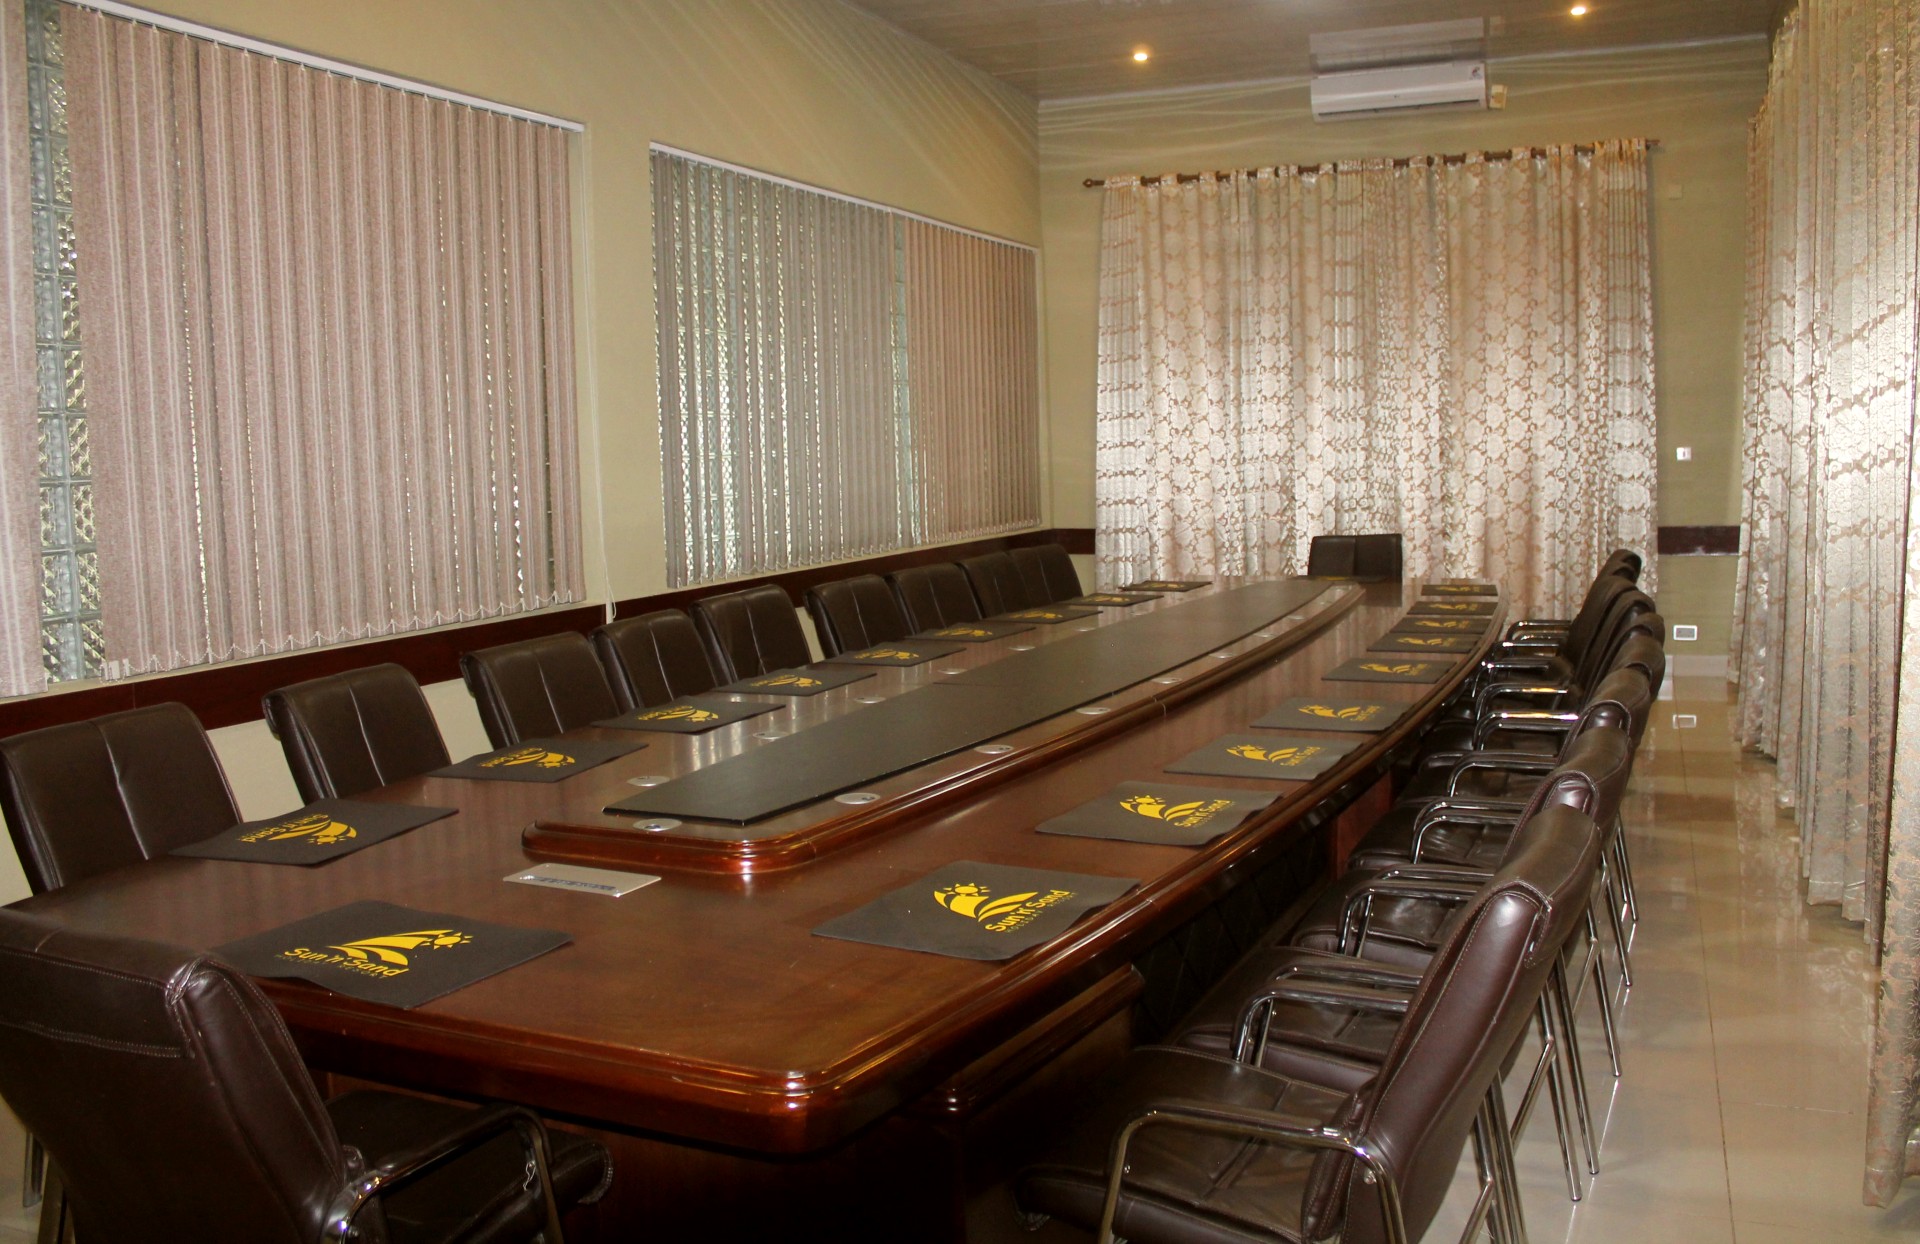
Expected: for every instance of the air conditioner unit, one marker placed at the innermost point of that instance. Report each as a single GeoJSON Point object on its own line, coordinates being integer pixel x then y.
{"type": "Point", "coordinates": [1370, 92]}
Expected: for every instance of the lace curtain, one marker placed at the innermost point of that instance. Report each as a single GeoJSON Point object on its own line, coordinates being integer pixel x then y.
{"type": "Point", "coordinates": [1829, 595]}
{"type": "Point", "coordinates": [1458, 351]}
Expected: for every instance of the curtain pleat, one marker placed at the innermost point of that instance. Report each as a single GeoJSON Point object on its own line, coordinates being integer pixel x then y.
{"type": "Point", "coordinates": [330, 327]}
{"type": "Point", "coordinates": [1460, 352]}
{"type": "Point", "coordinates": [836, 379]}
{"type": "Point", "coordinates": [21, 670]}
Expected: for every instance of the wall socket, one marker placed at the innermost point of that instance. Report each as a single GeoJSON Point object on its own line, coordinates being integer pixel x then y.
{"type": "Point", "coordinates": [1684, 633]}
{"type": "Point", "coordinates": [1683, 453]}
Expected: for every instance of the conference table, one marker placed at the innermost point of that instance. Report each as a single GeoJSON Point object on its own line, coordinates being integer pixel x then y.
{"type": "Point", "coordinates": [754, 1079]}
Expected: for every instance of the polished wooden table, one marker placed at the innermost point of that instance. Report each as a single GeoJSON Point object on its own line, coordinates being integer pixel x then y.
{"type": "Point", "coordinates": [755, 1080]}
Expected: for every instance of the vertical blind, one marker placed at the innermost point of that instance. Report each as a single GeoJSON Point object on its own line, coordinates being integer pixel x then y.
{"type": "Point", "coordinates": [837, 379]}
{"type": "Point", "coordinates": [329, 348]}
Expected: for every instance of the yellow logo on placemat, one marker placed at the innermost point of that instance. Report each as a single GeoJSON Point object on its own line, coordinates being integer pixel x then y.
{"type": "Point", "coordinates": [1422, 641]}
{"type": "Point", "coordinates": [381, 956]}
{"type": "Point", "coordinates": [319, 829]}
{"type": "Point", "coordinates": [886, 654]}
{"type": "Point", "coordinates": [1284, 757]}
{"type": "Point", "coordinates": [1456, 607]}
{"type": "Point", "coordinates": [964, 632]}
{"type": "Point", "coordinates": [1188, 815]}
{"type": "Point", "coordinates": [1443, 624]}
{"type": "Point", "coordinates": [537, 756]}
{"type": "Point", "coordinates": [680, 712]}
{"type": "Point", "coordinates": [997, 915]}
{"type": "Point", "coordinates": [786, 680]}
{"type": "Point", "coordinates": [1353, 712]}
{"type": "Point", "coordinates": [1038, 615]}
{"type": "Point", "coordinates": [1108, 598]}
{"type": "Point", "coordinates": [1158, 585]}
{"type": "Point", "coordinates": [1454, 589]}
{"type": "Point", "coordinates": [1380, 667]}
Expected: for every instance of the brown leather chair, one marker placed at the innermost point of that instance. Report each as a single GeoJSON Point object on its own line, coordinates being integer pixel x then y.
{"type": "Point", "coordinates": [1047, 573]}
{"type": "Point", "coordinates": [934, 596]}
{"type": "Point", "coordinates": [537, 688]}
{"type": "Point", "coordinates": [996, 584]}
{"type": "Point", "coordinates": [751, 633]}
{"type": "Point", "coordinates": [176, 1107]}
{"type": "Point", "coordinates": [1360, 557]}
{"type": "Point", "coordinates": [1184, 1147]}
{"type": "Point", "coordinates": [90, 796]}
{"type": "Point", "coordinates": [349, 733]}
{"type": "Point", "coordinates": [653, 658]}
{"type": "Point", "coordinates": [856, 613]}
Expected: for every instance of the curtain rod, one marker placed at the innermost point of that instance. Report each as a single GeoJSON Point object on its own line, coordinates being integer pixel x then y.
{"type": "Point", "coordinates": [213, 34]}
{"type": "Point", "coordinates": [1490, 157]}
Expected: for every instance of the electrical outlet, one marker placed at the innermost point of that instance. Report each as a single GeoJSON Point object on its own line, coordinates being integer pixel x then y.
{"type": "Point", "coordinates": [1684, 633]}
{"type": "Point", "coordinates": [1685, 721]}
{"type": "Point", "coordinates": [1683, 454]}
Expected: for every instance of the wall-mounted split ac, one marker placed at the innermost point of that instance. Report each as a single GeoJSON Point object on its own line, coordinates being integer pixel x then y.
{"type": "Point", "coordinates": [1370, 92]}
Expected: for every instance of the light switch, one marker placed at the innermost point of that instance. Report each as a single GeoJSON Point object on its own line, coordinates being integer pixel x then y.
{"type": "Point", "coordinates": [1683, 454]}
{"type": "Point", "coordinates": [1682, 633]}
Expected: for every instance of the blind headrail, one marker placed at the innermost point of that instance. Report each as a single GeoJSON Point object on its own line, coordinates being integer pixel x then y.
{"type": "Point", "coordinates": [213, 34]}
{"type": "Point", "coordinates": [1486, 157]}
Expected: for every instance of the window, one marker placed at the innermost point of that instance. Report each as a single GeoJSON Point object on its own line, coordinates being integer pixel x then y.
{"type": "Point", "coordinates": [837, 379]}
{"type": "Point", "coordinates": [302, 351]}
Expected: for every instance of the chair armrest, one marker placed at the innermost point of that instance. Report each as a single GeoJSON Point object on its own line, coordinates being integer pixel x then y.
{"type": "Point", "coordinates": [1356, 913]}
{"type": "Point", "coordinates": [1485, 697]}
{"type": "Point", "coordinates": [1254, 1027]}
{"type": "Point", "coordinates": [1491, 813]}
{"type": "Point", "coordinates": [1525, 721]}
{"type": "Point", "coordinates": [467, 1134]}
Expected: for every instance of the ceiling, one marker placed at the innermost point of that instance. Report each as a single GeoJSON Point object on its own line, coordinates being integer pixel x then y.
{"type": "Point", "coordinates": [1055, 49]}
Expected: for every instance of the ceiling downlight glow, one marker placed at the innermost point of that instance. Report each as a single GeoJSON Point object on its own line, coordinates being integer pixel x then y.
{"type": "Point", "coordinates": [1578, 10]}
{"type": "Point", "coordinates": [1142, 55]}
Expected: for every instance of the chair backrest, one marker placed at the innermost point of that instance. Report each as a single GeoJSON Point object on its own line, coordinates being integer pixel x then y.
{"type": "Point", "coordinates": [934, 596]}
{"type": "Point", "coordinates": [1331, 555]}
{"type": "Point", "coordinates": [537, 688]}
{"type": "Point", "coordinates": [850, 614]}
{"type": "Point", "coordinates": [90, 796]}
{"type": "Point", "coordinates": [653, 658]}
{"type": "Point", "coordinates": [1047, 572]}
{"type": "Point", "coordinates": [1593, 614]}
{"type": "Point", "coordinates": [350, 733]}
{"type": "Point", "coordinates": [996, 584]}
{"type": "Point", "coordinates": [1472, 1004]}
{"type": "Point", "coordinates": [166, 1089]}
{"type": "Point", "coordinates": [1622, 563]}
{"type": "Point", "coordinates": [1623, 611]}
{"type": "Point", "coordinates": [1624, 700]}
{"type": "Point", "coordinates": [752, 632]}
{"type": "Point", "coordinates": [1592, 778]}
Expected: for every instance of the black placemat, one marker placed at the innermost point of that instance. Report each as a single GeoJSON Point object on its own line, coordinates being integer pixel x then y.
{"type": "Point", "coordinates": [809, 681]}
{"type": "Point", "coordinates": [1326, 713]}
{"type": "Point", "coordinates": [382, 953]}
{"type": "Point", "coordinates": [1113, 600]}
{"type": "Point", "coordinates": [1406, 641]}
{"type": "Point", "coordinates": [1159, 812]}
{"type": "Point", "coordinates": [901, 653]}
{"type": "Point", "coordinates": [325, 829]}
{"type": "Point", "coordinates": [538, 760]}
{"type": "Point", "coordinates": [1046, 615]}
{"type": "Point", "coordinates": [1168, 585]}
{"type": "Point", "coordinates": [1265, 756]}
{"type": "Point", "coordinates": [692, 715]}
{"type": "Point", "coordinates": [1425, 625]}
{"type": "Point", "coordinates": [1392, 669]}
{"type": "Point", "coordinates": [1452, 608]}
{"type": "Point", "coordinates": [974, 632]}
{"type": "Point", "coordinates": [977, 911]}
{"type": "Point", "coordinates": [1348, 578]}
{"type": "Point", "coordinates": [1459, 589]}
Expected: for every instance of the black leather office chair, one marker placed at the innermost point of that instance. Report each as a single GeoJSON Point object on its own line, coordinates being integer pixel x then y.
{"type": "Point", "coordinates": [1047, 572]}
{"type": "Point", "coordinates": [752, 632]}
{"type": "Point", "coordinates": [90, 796]}
{"type": "Point", "coordinates": [996, 584]}
{"type": "Point", "coordinates": [654, 658]}
{"type": "Point", "coordinates": [1359, 557]}
{"type": "Point", "coordinates": [354, 732]}
{"type": "Point", "coordinates": [537, 688]}
{"type": "Point", "coordinates": [934, 596]}
{"type": "Point", "coordinates": [176, 1107]}
{"type": "Point", "coordinates": [856, 613]}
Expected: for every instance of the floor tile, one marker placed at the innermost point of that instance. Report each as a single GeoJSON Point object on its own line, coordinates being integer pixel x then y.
{"type": "Point", "coordinates": [1803, 1168]}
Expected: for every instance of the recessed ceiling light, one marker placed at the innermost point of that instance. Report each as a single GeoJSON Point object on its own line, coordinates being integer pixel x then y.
{"type": "Point", "coordinates": [1143, 55]}
{"type": "Point", "coordinates": [1578, 10]}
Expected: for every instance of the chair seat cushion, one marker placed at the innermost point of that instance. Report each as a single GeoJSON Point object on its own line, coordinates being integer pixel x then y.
{"type": "Point", "coordinates": [446, 1202]}
{"type": "Point", "coordinates": [1323, 1043]}
{"type": "Point", "coordinates": [1402, 930]}
{"type": "Point", "coordinates": [1189, 1186]}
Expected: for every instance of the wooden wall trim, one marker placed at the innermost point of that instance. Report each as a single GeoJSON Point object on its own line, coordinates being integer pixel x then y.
{"type": "Point", "coordinates": [1699, 541]}
{"type": "Point", "coordinates": [229, 694]}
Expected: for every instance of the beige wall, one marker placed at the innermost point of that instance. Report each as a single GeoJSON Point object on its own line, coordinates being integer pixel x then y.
{"type": "Point", "coordinates": [1695, 100]}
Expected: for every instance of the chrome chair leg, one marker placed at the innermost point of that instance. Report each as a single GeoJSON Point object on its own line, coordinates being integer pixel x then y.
{"type": "Point", "coordinates": [1557, 1098]}
{"type": "Point", "coordinates": [33, 1181]}
{"type": "Point", "coordinates": [1576, 1065]}
{"type": "Point", "coordinates": [1509, 1170]}
{"type": "Point", "coordinates": [1619, 930]}
{"type": "Point", "coordinates": [1625, 861]}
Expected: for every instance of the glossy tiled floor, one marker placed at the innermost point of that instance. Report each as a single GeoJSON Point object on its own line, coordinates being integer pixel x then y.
{"type": "Point", "coordinates": [1741, 1116]}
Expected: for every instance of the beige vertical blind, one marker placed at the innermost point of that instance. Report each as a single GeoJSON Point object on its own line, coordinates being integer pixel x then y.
{"type": "Point", "coordinates": [330, 345]}
{"type": "Point", "coordinates": [837, 379]}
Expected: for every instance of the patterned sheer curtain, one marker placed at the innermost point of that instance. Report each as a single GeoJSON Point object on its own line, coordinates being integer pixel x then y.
{"type": "Point", "coordinates": [329, 350]}
{"type": "Point", "coordinates": [20, 669]}
{"type": "Point", "coordinates": [837, 379]}
{"type": "Point", "coordinates": [1458, 351]}
{"type": "Point", "coordinates": [1827, 623]}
